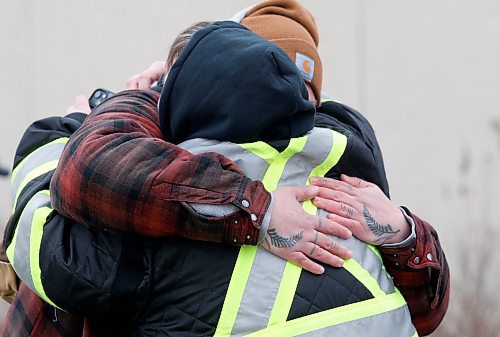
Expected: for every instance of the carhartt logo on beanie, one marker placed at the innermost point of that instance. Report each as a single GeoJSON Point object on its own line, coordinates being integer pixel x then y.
{"type": "Point", "coordinates": [289, 25]}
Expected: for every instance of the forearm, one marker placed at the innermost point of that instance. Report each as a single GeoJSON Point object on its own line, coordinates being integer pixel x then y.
{"type": "Point", "coordinates": [421, 273]}
{"type": "Point", "coordinates": [36, 157]}
{"type": "Point", "coordinates": [45, 131]}
{"type": "Point", "coordinates": [35, 160]}
{"type": "Point", "coordinates": [117, 174]}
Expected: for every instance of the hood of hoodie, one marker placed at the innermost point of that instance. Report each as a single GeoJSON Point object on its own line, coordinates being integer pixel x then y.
{"type": "Point", "coordinates": [230, 84]}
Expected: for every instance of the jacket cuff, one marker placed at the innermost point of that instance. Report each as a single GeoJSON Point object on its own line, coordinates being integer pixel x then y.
{"type": "Point", "coordinates": [419, 253]}
{"type": "Point", "coordinates": [78, 116]}
{"type": "Point", "coordinates": [253, 202]}
{"type": "Point", "coordinates": [410, 238]}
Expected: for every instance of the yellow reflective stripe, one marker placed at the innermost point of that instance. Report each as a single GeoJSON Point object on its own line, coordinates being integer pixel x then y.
{"type": "Point", "coordinates": [246, 255]}
{"type": "Point", "coordinates": [363, 276]}
{"type": "Point", "coordinates": [263, 150]}
{"type": "Point", "coordinates": [324, 100]}
{"type": "Point", "coordinates": [235, 290]}
{"type": "Point", "coordinates": [12, 248]}
{"type": "Point", "coordinates": [39, 217]}
{"type": "Point", "coordinates": [415, 335]}
{"type": "Point", "coordinates": [285, 295]}
{"type": "Point", "coordinates": [277, 160]}
{"type": "Point", "coordinates": [275, 171]}
{"type": "Point", "coordinates": [375, 250]}
{"type": "Point", "coordinates": [37, 225]}
{"type": "Point", "coordinates": [324, 319]}
{"type": "Point", "coordinates": [63, 140]}
{"type": "Point", "coordinates": [291, 275]}
{"type": "Point", "coordinates": [339, 145]}
{"type": "Point", "coordinates": [40, 170]}
{"type": "Point", "coordinates": [338, 148]}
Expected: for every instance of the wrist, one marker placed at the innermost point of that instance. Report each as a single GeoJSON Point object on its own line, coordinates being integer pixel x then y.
{"type": "Point", "coordinates": [399, 225]}
{"type": "Point", "coordinates": [266, 221]}
{"type": "Point", "coordinates": [407, 235]}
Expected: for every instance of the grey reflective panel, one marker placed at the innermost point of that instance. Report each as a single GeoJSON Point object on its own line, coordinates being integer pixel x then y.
{"type": "Point", "coordinates": [369, 260]}
{"type": "Point", "coordinates": [39, 157]}
{"type": "Point", "coordinates": [253, 165]}
{"type": "Point", "coordinates": [374, 265]}
{"type": "Point", "coordinates": [395, 323]}
{"type": "Point", "coordinates": [316, 150]}
{"type": "Point", "coordinates": [22, 249]}
{"type": "Point", "coordinates": [260, 293]}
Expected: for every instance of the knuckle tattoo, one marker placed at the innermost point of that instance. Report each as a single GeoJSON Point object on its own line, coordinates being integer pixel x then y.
{"type": "Point", "coordinates": [335, 246]}
{"type": "Point", "coordinates": [312, 250]}
{"type": "Point", "coordinates": [346, 210]}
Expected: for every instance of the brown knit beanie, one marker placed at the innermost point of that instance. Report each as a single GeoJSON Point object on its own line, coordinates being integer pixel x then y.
{"type": "Point", "coordinates": [289, 25]}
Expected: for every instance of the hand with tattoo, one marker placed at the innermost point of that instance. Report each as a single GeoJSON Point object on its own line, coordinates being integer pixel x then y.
{"type": "Point", "coordinates": [363, 208]}
{"type": "Point", "coordinates": [300, 237]}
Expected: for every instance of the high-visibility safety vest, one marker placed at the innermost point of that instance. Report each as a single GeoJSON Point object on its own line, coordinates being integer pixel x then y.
{"type": "Point", "coordinates": [262, 286]}
{"type": "Point", "coordinates": [34, 207]}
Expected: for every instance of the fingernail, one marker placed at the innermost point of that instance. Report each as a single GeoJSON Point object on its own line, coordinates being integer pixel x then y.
{"type": "Point", "coordinates": [313, 180]}
{"type": "Point", "coordinates": [321, 270]}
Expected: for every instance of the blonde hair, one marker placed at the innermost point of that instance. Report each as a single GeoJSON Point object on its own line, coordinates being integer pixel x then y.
{"type": "Point", "coordinates": [181, 42]}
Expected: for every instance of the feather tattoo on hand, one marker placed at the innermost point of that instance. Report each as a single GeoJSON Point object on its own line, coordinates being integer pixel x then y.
{"type": "Point", "coordinates": [383, 232]}
{"type": "Point", "coordinates": [284, 242]}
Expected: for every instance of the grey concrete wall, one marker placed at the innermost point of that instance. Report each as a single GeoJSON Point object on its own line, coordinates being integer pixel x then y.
{"type": "Point", "coordinates": [425, 73]}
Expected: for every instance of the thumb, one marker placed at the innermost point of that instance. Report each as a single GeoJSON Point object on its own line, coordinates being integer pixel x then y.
{"type": "Point", "coordinates": [306, 192]}
{"type": "Point", "coordinates": [354, 181]}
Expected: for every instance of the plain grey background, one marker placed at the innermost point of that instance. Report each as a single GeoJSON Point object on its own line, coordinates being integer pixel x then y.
{"type": "Point", "coordinates": [425, 73]}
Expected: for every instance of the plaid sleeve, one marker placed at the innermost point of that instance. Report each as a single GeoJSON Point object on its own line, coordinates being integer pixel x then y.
{"type": "Point", "coordinates": [30, 316]}
{"type": "Point", "coordinates": [421, 273]}
{"type": "Point", "coordinates": [116, 173]}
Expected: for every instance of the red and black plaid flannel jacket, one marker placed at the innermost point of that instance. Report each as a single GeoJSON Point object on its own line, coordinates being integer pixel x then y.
{"type": "Point", "coordinates": [421, 273]}
{"type": "Point", "coordinates": [116, 169]}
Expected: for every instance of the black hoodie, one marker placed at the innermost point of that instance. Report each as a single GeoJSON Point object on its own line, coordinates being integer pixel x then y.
{"type": "Point", "coordinates": [231, 84]}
